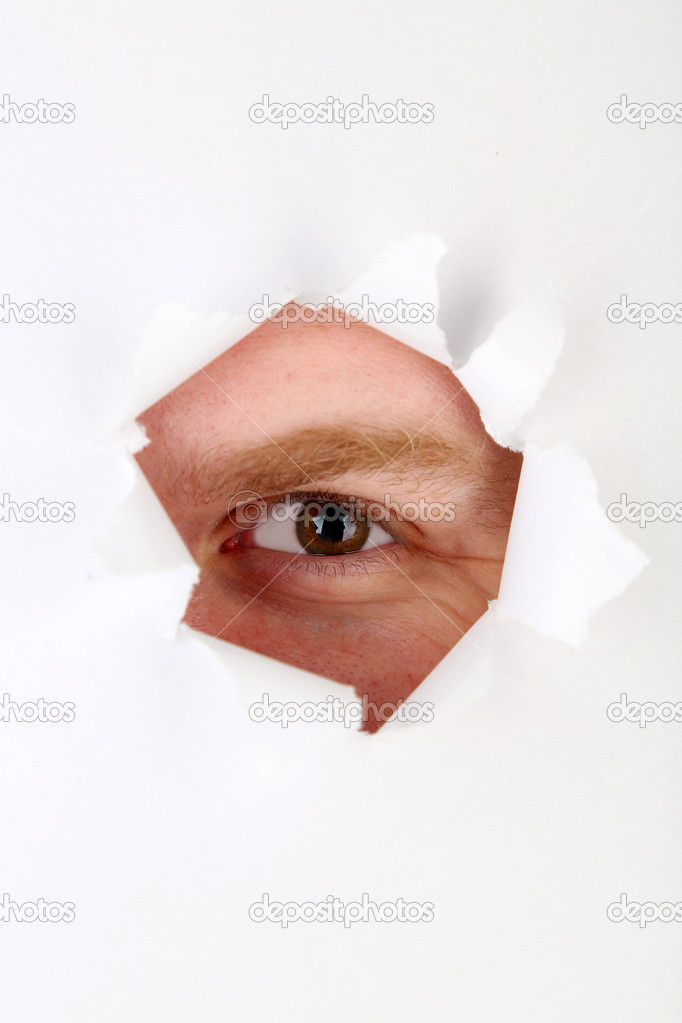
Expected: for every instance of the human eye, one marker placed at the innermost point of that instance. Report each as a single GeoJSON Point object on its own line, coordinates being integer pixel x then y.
{"type": "Point", "coordinates": [316, 525]}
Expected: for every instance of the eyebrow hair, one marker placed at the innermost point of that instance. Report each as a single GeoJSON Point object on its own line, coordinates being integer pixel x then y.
{"type": "Point", "coordinates": [313, 455]}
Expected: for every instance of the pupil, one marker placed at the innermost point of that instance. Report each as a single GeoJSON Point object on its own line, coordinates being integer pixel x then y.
{"type": "Point", "coordinates": [331, 526]}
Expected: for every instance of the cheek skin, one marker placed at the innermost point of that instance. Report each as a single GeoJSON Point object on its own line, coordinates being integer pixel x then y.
{"type": "Point", "coordinates": [385, 658]}
{"type": "Point", "coordinates": [384, 650]}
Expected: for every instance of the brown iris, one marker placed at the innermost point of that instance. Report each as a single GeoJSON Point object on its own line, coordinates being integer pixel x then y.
{"type": "Point", "coordinates": [331, 528]}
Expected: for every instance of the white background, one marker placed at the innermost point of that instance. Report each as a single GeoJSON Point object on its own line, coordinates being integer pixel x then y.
{"type": "Point", "coordinates": [160, 811]}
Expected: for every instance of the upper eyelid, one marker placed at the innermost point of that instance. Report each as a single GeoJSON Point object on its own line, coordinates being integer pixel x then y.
{"type": "Point", "coordinates": [329, 496]}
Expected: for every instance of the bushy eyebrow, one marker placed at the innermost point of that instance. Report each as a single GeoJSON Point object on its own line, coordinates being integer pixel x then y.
{"type": "Point", "coordinates": [303, 458]}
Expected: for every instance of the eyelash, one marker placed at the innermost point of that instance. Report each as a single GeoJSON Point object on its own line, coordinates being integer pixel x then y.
{"type": "Point", "coordinates": [342, 564]}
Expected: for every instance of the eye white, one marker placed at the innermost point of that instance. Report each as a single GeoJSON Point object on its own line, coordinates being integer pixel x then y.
{"type": "Point", "coordinates": [278, 532]}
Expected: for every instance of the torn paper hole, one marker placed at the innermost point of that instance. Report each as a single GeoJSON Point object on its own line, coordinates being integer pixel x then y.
{"type": "Point", "coordinates": [553, 577]}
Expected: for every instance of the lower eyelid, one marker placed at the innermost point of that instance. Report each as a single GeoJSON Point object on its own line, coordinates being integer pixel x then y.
{"type": "Point", "coordinates": [364, 561]}
{"type": "Point", "coordinates": [368, 575]}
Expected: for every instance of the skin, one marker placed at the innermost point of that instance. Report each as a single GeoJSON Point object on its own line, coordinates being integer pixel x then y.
{"type": "Point", "coordinates": [379, 620]}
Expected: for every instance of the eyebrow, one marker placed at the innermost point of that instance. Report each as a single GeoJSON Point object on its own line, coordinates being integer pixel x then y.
{"type": "Point", "coordinates": [304, 457]}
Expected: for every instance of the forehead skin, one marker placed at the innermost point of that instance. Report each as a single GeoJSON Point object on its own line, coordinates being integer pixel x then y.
{"type": "Point", "coordinates": [278, 379]}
